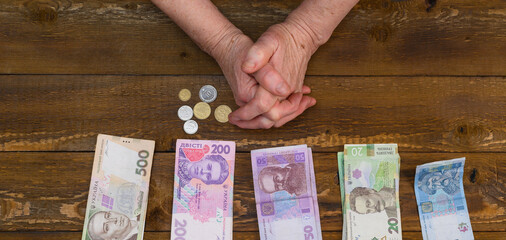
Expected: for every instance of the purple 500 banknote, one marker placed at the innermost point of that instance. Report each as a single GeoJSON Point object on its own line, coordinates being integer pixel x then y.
{"type": "Point", "coordinates": [285, 193]}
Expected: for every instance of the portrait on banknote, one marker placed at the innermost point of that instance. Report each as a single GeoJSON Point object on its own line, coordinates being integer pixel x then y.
{"type": "Point", "coordinates": [441, 200]}
{"type": "Point", "coordinates": [119, 189]}
{"type": "Point", "coordinates": [285, 193]}
{"type": "Point", "coordinates": [203, 190]}
{"type": "Point", "coordinates": [445, 179]}
{"type": "Point", "coordinates": [364, 200]}
{"type": "Point", "coordinates": [211, 170]}
{"type": "Point", "coordinates": [290, 178]}
{"type": "Point", "coordinates": [105, 225]}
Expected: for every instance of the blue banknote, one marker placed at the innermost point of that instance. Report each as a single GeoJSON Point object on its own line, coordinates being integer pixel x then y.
{"type": "Point", "coordinates": [441, 201]}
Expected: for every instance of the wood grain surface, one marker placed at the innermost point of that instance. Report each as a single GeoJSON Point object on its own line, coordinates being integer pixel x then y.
{"type": "Point", "coordinates": [237, 235]}
{"type": "Point", "coordinates": [378, 37]}
{"type": "Point", "coordinates": [421, 114]}
{"type": "Point", "coordinates": [428, 75]}
{"type": "Point", "coordinates": [46, 191]}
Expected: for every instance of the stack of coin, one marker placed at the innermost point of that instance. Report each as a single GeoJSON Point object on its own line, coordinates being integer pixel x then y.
{"type": "Point", "coordinates": [201, 110]}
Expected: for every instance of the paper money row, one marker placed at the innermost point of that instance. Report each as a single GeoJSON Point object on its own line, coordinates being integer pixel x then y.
{"type": "Point", "coordinates": [285, 192]}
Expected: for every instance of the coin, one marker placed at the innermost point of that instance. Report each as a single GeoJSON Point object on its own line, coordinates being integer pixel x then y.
{"type": "Point", "coordinates": [185, 113]}
{"type": "Point", "coordinates": [202, 110]}
{"type": "Point", "coordinates": [208, 93]}
{"type": "Point", "coordinates": [190, 127]}
{"type": "Point", "coordinates": [184, 95]}
{"type": "Point", "coordinates": [221, 113]}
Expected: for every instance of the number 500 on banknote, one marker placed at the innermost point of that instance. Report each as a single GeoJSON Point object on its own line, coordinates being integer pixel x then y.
{"type": "Point", "coordinates": [118, 196]}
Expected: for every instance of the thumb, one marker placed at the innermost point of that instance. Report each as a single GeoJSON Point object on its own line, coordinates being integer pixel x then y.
{"type": "Point", "coordinates": [270, 79]}
{"type": "Point", "coordinates": [260, 53]}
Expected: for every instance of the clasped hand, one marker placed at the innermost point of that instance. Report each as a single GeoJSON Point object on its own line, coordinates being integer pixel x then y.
{"type": "Point", "coordinates": [267, 77]}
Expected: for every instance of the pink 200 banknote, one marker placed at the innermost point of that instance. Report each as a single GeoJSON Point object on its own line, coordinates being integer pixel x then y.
{"type": "Point", "coordinates": [203, 190]}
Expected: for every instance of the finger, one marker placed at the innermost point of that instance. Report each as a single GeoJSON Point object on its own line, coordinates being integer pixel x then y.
{"type": "Point", "coordinates": [284, 108]}
{"type": "Point", "coordinates": [270, 79]}
{"type": "Point", "coordinates": [306, 89]}
{"type": "Point", "coordinates": [305, 103]}
{"type": "Point", "coordinates": [244, 87]}
{"type": "Point", "coordinates": [240, 103]}
{"type": "Point", "coordinates": [261, 103]}
{"type": "Point", "coordinates": [246, 94]}
{"type": "Point", "coordinates": [255, 123]}
{"type": "Point", "coordinates": [260, 53]}
{"type": "Point", "coordinates": [265, 123]}
{"type": "Point", "coordinates": [278, 111]}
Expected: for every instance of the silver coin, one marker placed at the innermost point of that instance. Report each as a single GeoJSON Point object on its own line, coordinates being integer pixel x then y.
{"type": "Point", "coordinates": [208, 93]}
{"type": "Point", "coordinates": [190, 127]}
{"type": "Point", "coordinates": [185, 113]}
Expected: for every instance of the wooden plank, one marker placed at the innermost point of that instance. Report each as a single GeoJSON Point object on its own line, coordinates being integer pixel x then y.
{"type": "Point", "coordinates": [47, 191]}
{"type": "Point", "coordinates": [421, 114]}
{"type": "Point", "coordinates": [237, 235]}
{"type": "Point", "coordinates": [459, 37]}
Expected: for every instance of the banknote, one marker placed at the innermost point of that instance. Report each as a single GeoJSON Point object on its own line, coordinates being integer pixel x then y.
{"type": "Point", "coordinates": [118, 195]}
{"type": "Point", "coordinates": [340, 166]}
{"type": "Point", "coordinates": [371, 186]}
{"type": "Point", "coordinates": [314, 193]}
{"type": "Point", "coordinates": [441, 201]}
{"type": "Point", "coordinates": [203, 190]}
{"type": "Point", "coordinates": [285, 193]}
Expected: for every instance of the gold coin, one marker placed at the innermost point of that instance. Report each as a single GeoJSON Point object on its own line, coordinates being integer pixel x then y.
{"type": "Point", "coordinates": [185, 94]}
{"type": "Point", "coordinates": [202, 110]}
{"type": "Point", "coordinates": [221, 113]}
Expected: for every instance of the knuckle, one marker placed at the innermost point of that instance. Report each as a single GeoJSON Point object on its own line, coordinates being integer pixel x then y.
{"type": "Point", "coordinates": [270, 75]}
{"type": "Point", "coordinates": [266, 124]}
{"type": "Point", "coordinates": [242, 96]}
{"type": "Point", "coordinates": [293, 108]}
{"type": "Point", "coordinates": [270, 34]}
{"type": "Point", "coordinates": [293, 88]}
{"type": "Point", "coordinates": [239, 102]}
{"type": "Point", "coordinates": [264, 104]}
{"type": "Point", "coordinates": [274, 116]}
{"type": "Point", "coordinates": [259, 51]}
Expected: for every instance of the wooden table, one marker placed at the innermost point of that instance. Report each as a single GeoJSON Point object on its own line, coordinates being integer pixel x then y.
{"type": "Point", "coordinates": [432, 80]}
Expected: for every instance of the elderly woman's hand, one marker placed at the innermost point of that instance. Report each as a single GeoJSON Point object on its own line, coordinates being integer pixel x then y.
{"type": "Point", "coordinates": [229, 53]}
{"type": "Point", "coordinates": [267, 98]}
{"type": "Point", "coordinates": [266, 77]}
{"type": "Point", "coordinates": [281, 54]}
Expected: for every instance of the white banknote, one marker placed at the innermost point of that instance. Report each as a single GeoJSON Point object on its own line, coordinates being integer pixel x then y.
{"type": "Point", "coordinates": [118, 196]}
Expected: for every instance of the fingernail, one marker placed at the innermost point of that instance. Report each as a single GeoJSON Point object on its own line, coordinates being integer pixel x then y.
{"type": "Point", "coordinates": [282, 89]}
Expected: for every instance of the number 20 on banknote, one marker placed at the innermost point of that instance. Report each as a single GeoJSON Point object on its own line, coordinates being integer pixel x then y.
{"type": "Point", "coordinates": [203, 190]}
